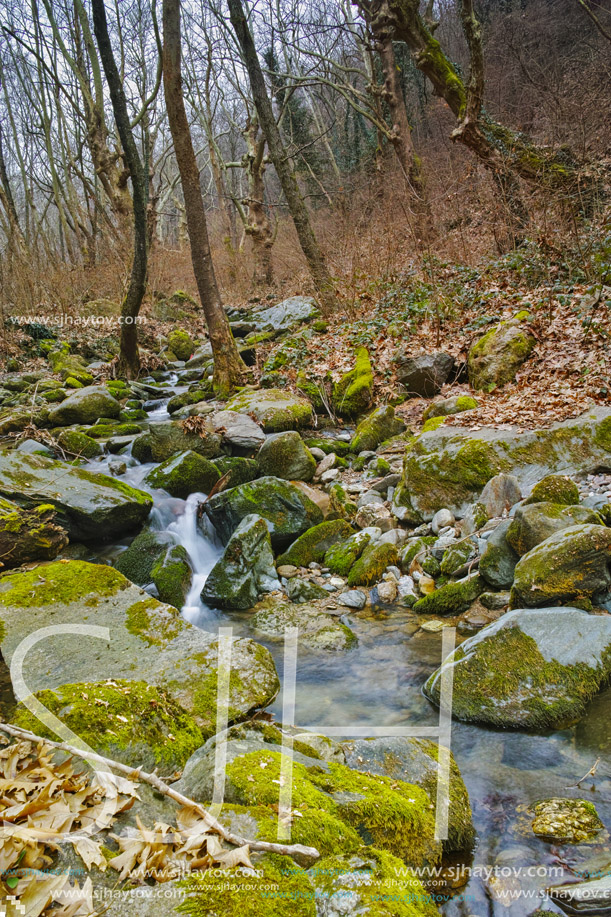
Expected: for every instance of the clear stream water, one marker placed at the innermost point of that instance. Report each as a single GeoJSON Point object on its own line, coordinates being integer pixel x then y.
{"type": "Point", "coordinates": [379, 683]}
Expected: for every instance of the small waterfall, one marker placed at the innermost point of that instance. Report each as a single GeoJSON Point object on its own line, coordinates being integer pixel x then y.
{"type": "Point", "coordinates": [203, 553]}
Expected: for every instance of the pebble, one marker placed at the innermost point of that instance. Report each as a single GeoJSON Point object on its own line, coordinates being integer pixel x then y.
{"type": "Point", "coordinates": [433, 627]}
{"type": "Point", "coordinates": [117, 468]}
{"type": "Point", "coordinates": [314, 566]}
{"type": "Point", "coordinates": [441, 520]}
{"type": "Point", "coordinates": [287, 570]}
{"type": "Point", "coordinates": [337, 581]}
{"type": "Point", "coordinates": [354, 598]}
{"type": "Point", "coordinates": [330, 475]}
{"type": "Point", "coordinates": [387, 591]}
{"type": "Point", "coordinates": [327, 462]}
{"type": "Point", "coordinates": [318, 454]}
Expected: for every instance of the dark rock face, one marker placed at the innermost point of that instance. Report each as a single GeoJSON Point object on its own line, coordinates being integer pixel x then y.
{"type": "Point", "coordinates": [423, 374]}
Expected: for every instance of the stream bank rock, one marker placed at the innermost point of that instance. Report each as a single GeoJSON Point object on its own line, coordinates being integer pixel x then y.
{"type": "Point", "coordinates": [448, 468]}
{"type": "Point", "coordinates": [146, 640]}
{"type": "Point", "coordinates": [535, 522]}
{"type": "Point", "coordinates": [285, 507]}
{"type": "Point", "coordinates": [495, 359]}
{"type": "Point", "coordinates": [353, 393]}
{"type": "Point", "coordinates": [29, 534]}
{"type": "Point", "coordinates": [285, 455]}
{"type": "Point", "coordinates": [163, 440]}
{"type": "Point", "coordinates": [380, 425]}
{"type": "Point", "coordinates": [86, 405]}
{"type": "Point", "coordinates": [534, 669]}
{"type": "Point", "coordinates": [184, 474]}
{"type": "Point", "coordinates": [88, 505]}
{"type": "Point", "coordinates": [423, 375]}
{"type": "Point", "coordinates": [246, 569]}
{"type": "Point", "coordinates": [273, 408]}
{"type": "Point", "coordinates": [287, 314]}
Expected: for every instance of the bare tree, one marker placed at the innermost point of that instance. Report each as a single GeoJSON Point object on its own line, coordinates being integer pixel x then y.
{"type": "Point", "coordinates": [228, 366]}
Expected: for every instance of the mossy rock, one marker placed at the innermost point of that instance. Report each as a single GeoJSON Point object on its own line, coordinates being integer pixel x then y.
{"type": "Point", "coordinates": [238, 470]}
{"type": "Point", "coordinates": [85, 406]}
{"type": "Point", "coordinates": [106, 430]}
{"type": "Point", "coordinates": [456, 556]}
{"type": "Point", "coordinates": [184, 474]}
{"type": "Point", "coordinates": [555, 488]}
{"type": "Point", "coordinates": [368, 569]}
{"type": "Point", "coordinates": [498, 561]}
{"type": "Point", "coordinates": [186, 398]}
{"type": "Point", "coordinates": [353, 394]}
{"type": "Point", "coordinates": [495, 359]}
{"type": "Point", "coordinates": [163, 440]}
{"type": "Point", "coordinates": [69, 365]}
{"type": "Point", "coordinates": [318, 631]}
{"type": "Point", "coordinates": [341, 557]}
{"type": "Point", "coordinates": [312, 391]}
{"type": "Point", "coordinates": [180, 343]}
{"type": "Point", "coordinates": [129, 721]}
{"type": "Point", "coordinates": [338, 446]}
{"type": "Point", "coordinates": [569, 567]}
{"type": "Point", "coordinates": [276, 410]}
{"type": "Point", "coordinates": [246, 569]}
{"type": "Point", "coordinates": [433, 423]}
{"type": "Point", "coordinates": [79, 444]}
{"type": "Point", "coordinates": [532, 669]}
{"type": "Point", "coordinates": [449, 406]}
{"type": "Point", "coordinates": [451, 598]}
{"type": "Point", "coordinates": [285, 455]}
{"type": "Point", "coordinates": [285, 507]}
{"type": "Point", "coordinates": [566, 821]}
{"type": "Point", "coordinates": [314, 544]}
{"type": "Point", "coordinates": [379, 426]}
{"type": "Point", "coordinates": [132, 415]}
{"type": "Point", "coordinates": [29, 534]}
{"type": "Point", "coordinates": [414, 548]}
{"type": "Point", "coordinates": [533, 523]}
{"type": "Point", "coordinates": [172, 574]}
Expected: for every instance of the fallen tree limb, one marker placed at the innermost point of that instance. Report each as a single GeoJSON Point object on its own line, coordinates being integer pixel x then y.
{"type": "Point", "coordinates": [298, 852]}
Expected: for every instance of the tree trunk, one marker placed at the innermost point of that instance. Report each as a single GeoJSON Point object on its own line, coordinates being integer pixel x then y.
{"type": "Point", "coordinates": [498, 147]}
{"type": "Point", "coordinates": [129, 358]}
{"type": "Point", "coordinates": [401, 138]}
{"type": "Point", "coordinates": [258, 226]}
{"type": "Point", "coordinates": [228, 366]}
{"type": "Point", "coordinates": [278, 155]}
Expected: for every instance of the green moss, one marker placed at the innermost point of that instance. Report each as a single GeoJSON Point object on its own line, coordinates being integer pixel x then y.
{"type": "Point", "coordinates": [184, 474]}
{"type": "Point", "coordinates": [328, 445]}
{"type": "Point", "coordinates": [457, 555]}
{"type": "Point", "coordinates": [277, 887]}
{"type": "Point", "coordinates": [415, 547]}
{"type": "Point", "coordinates": [452, 598]}
{"type": "Point", "coordinates": [433, 424]}
{"type": "Point", "coordinates": [372, 563]}
{"type": "Point", "coordinates": [239, 470]}
{"type": "Point", "coordinates": [380, 425]}
{"type": "Point", "coordinates": [144, 621]}
{"type": "Point", "coordinates": [104, 430]}
{"type": "Point", "coordinates": [555, 488]}
{"type": "Point", "coordinates": [117, 718]}
{"type": "Point", "coordinates": [205, 698]}
{"type": "Point", "coordinates": [73, 383]}
{"type": "Point", "coordinates": [314, 544]}
{"type": "Point", "coordinates": [60, 582]}
{"type": "Point", "coordinates": [79, 444]}
{"type": "Point", "coordinates": [353, 393]}
{"type": "Point", "coordinates": [187, 398]}
{"type": "Point", "coordinates": [341, 557]}
{"type": "Point", "coordinates": [172, 576]}
{"type": "Point", "coordinates": [180, 344]}
{"type": "Point", "coordinates": [137, 562]}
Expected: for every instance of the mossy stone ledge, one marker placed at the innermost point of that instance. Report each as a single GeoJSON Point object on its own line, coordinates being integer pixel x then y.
{"type": "Point", "coordinates": [276, 410]}
{"type": "Point", "coordinates": [314, 544]}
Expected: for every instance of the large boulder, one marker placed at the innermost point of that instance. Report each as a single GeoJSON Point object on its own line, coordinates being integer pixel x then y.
{"type": "Point", "coordinates": [534, 523]}
{"type": "Point", "coordinates": [380, 425]}
{"type": "Point", "coordinates": [273, 408]}
{"type": "Point", "coordinates": [287, 511]}
{"type": "Point", "coordinates": [285, 455]}
{"type": "Point", "coordinates": [448, 467]}
{"type": "Point", "coordinates": [147, 641]}
{"type": "Point", "coordinates": [535, 669]}
{"type": "Point", "coordinates": [85, 405]}
{"type": "Point", "coordinates": [180, 343]}
{"type": "Point", "coordinates": [570, 567]}
{"type": "Point", "coordinates": [423, 375]}
{"type": "Point", "coordinates": [239, 431]}
{"type": "Point", "coordinates": [163, 440]}
{"type": "Point", "coordinates": [353, 393]}
{"type": "Point", "coordinates": [555, 488]}
{"type": "Point", "coordinates": [495, 359]}
{"type": "Point", "coordinates": [286, 315]}
{"type": "Point", "coordinates": [89, 506]}
{"type": "Point", "coordinates": [246, 569]}
{"type": "Point", "coordinates": [313, 545]}
{"type": "Point", "coordinates": [29, 534]}
{"type": "Point", "coordinates": [153, 557]}
{"type": "Point", "coordinates": [184, 474]}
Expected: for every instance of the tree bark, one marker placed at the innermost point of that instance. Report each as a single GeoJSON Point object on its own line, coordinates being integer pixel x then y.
{"type": "Point", "coordinates": [129, 358]}
{"type": "Point", "coordinates": [258, 226]}
{"type": "Point", "coordinates": [278, 155]}
{"type": "Point", "coordinates": [228, 366]}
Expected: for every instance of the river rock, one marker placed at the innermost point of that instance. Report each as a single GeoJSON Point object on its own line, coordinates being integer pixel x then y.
{"type": "Point", "coordinates": [570, 566]}
{"type": "Point", "coordinates": [285, 455]}
{"type": "Point", "coordinates": [88, 505]}
{"type": "Point", "coordinates": [589, 897]}
{"type": "Point", "coordinates": [380, 425]}
{"type": "Point", "coordinates": [316, 542]}
{"type": "Point", "coordinates": [353, 598]}
{"type": "Point", "coordinates": [448, 467]}
{"type": "Point", "coordinates": [245, 570]}
{"type": "Point", "coordinates": [86, 405]}
{"type": "Point", "coordinates": [146, 640]}
{"type": "Point", "coordinates": [137, 562]}
{"type": "Point", "coordinates": [184, 474]}
{"type": "Point", "coordinates": [29, 534]}
{"type": "Point", "coordinates": [353, 393]}
{"type": "Point", "coordinates": [286, 509]}
{"type": "Point", "coordinates": [415, 761]}
{"type": "Point", "coordinates": [500, 494]}
{"type": "Point", "coordinates": [452, 598]}
{"type": "Point", "coordinates": [566, 821]}
{"type": "Point", "coordinates": [239, 431]}
{"type": "Point", "coordinates": [555, 488]}
{"type": "Point", "coordinates": [498, 561]}
{"type": "Point", "coordinates": [534, 523]}
{"type": "Point", "coordinates": [287, 314]}
{"type": "Point", "coordinates": [317, 630]}
{"type": "Point", "coordinates": [446, 407]}
{"type": "Point", "coordinates": [422, 375]}
{"type": "Point", "coordinates": [301, 591]}
{"type": "Point", "coordinates": [274, 409]}
{"type": "Point", "coordinates": [532, 668]}
{"type": "Point", "coordinates": [172, 574]}
{"type": "Point", "coordinates": [496, 357]}
{"type": "Point", "coordinates": [163, 440]}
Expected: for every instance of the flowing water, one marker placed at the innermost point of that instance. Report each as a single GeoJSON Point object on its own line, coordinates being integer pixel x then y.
{"type": "Point", "coordinates": [379, 683]}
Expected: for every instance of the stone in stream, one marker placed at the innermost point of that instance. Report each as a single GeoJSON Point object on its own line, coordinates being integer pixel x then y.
{"type": "Point", "coordinates": [353, 598]}
{"type": "Point", "coordinates": [147, 641]}
{"type": "Point", "coordinates": [273, 408]}
{"type": "Point", "coordinates": [530, 669]}
{"type": "Point", "coordinates": [246, 569]}
{"type": "Point", "coordinates": [285, 455]}
{"type": "Point", "coordinates": [86, 405]}
{"type": "Point", "coordinates": [184, 474]}
{"type": "Point", "coordinates": [88, 505]}
{"type": "Point", "coordinates": [300, 591]}
{"type": "Point", "coordinates": [153, 557]}
{"type": "Point", "coordinates": [534, 523]}
{"type": "Point", "coordinates": [571, 566]}
{"type": "Point", "coordinates": [452, 598]}
{"type": "Point", "coordinates": [317, 630]}
{"type": "Point", "coordinates": [449, 467]}
{"type": "Point", "coordinates": [163, 440]}
{"type": "Point", "coordinates": [172, 574]}
{"type": "Point", "coordinates": [589, 897]}
{"type": "Point", "coordinates": [239, 431]}
{"type": "Point", "coordinates": [566, 821]}
{"type": "Point", "coordinates": [79, 444]}
{"type": "Point", "coordinates": [29, 534]}
{"type": "Point", "coordinates": [286, 509]}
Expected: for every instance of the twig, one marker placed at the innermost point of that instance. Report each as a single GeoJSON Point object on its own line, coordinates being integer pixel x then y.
{"type": "Point", "coordinates": [297, 851]}
{"type": "Point", "coordinates": [590, 773]}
